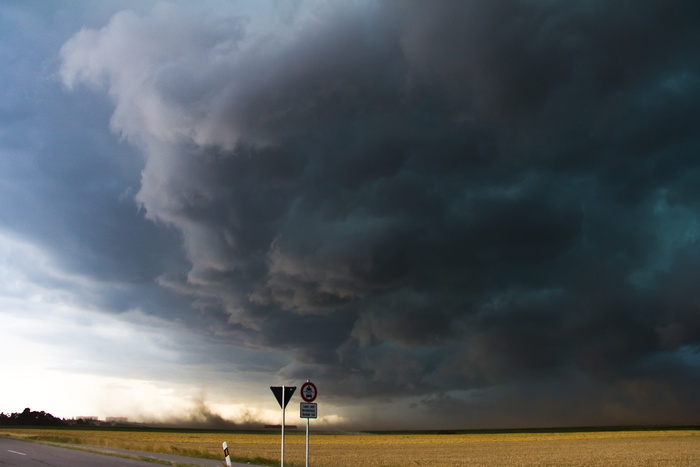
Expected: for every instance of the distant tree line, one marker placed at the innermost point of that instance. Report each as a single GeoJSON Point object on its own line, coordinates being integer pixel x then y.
{"type": "Point", "coordinates": [29, 417]}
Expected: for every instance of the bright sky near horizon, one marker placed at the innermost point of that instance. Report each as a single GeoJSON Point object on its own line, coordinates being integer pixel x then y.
{"type": "Point", "coordinates": [471, 214]}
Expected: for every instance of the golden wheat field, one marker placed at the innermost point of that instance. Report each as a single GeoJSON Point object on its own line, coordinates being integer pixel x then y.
{"type": "Point", "coordinates": [615, 448]}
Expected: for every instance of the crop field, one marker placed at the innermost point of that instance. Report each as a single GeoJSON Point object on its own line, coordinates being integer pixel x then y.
{"type": "Point", "coordinates": [595, 448]}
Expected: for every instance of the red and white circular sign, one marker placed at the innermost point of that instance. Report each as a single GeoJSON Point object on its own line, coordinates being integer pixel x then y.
{"type": "Point", "coordinates": [308, 391]}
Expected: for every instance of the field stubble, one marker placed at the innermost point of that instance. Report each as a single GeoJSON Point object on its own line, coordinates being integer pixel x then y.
{"type": "Point", "coordinates": [677, 448]}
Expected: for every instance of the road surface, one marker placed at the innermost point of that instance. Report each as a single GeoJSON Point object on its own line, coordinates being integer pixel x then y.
{"type": "Point", "coordinates": [22, 453]}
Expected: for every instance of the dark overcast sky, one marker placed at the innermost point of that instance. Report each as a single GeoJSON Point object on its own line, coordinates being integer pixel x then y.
{"type": "Point", "coordinates": [445, 214]}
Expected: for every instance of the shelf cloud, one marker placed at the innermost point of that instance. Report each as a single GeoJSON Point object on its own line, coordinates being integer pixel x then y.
{"type": "Point", "coordinates": [485, 211]}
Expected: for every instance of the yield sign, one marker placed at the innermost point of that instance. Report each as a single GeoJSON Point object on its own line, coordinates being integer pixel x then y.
{"type": "Point", "coordinates": [288, 391]}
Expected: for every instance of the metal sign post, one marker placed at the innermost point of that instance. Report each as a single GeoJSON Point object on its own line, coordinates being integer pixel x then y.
{"type": "Point", "coordinates": [307, 442]}
{"type": "Point", "coordinates": [283, 394]}
{"type": "Point", "coordinates": [308, 410]}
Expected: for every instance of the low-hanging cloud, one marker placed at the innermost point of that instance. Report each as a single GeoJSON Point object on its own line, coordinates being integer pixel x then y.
{"type": "Point", "coordinates": [417, 198]}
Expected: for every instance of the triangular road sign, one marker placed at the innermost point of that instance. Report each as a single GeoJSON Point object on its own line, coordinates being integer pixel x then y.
{"type": "Point", "coordinates": [288, 391]}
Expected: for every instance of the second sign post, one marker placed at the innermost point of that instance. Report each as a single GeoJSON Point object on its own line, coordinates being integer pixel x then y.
{"type": "Point", "coordinates": [307, 409]}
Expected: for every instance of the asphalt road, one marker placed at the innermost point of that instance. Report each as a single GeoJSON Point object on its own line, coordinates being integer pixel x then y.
{"type": "Point", "coordinates": [21, 453]}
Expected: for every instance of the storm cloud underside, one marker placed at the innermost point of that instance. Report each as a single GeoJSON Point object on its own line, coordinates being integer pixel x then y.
{"type": "Point", "coordinates": [490, 208]}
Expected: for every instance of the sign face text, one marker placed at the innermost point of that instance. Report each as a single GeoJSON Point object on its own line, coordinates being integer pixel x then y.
{"type": "Point", "coordinates": [308, 410]}
{"type": "Point", "coordinates": [308, 391]}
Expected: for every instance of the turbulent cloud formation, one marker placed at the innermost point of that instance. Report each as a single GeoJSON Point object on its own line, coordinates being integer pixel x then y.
{"type": "Point", "coordinates": [472, 205]}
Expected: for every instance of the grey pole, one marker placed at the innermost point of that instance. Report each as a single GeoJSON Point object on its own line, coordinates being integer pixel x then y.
{"type": "Point", "coordinates": [307, 439]}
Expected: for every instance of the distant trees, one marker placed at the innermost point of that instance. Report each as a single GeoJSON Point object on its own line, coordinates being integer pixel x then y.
{"type": "Point", "coordinates": [28, 417]}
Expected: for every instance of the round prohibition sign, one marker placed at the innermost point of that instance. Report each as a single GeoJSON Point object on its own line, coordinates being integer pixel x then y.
{"type": "Point", "coordinates": [308, 391]}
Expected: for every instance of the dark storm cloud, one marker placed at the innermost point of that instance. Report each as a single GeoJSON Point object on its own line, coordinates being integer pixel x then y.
{"type": "Point", "coordinates": [67, 185]}
{"type": "Point", "coordinates": [417, 198]}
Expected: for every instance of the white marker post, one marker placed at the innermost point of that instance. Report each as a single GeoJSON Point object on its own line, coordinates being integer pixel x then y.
{"type": "Point", "coordinates": [226, 455]}
{"type": "Point", "coordinates": [283, 394]}
{"type": "Point", "coordinates": [308, 410]}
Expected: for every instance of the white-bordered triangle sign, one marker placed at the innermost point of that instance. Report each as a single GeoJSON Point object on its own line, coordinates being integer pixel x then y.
{"type": "Point", "coordinates": [288, 391]}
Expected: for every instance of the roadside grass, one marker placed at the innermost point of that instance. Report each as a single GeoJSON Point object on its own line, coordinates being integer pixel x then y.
{"type": "Point", "coordinates": [641, 447]}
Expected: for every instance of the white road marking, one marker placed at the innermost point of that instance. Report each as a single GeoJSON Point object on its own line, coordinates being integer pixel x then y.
{"type": "Point", "coordinates": [17, 452]}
